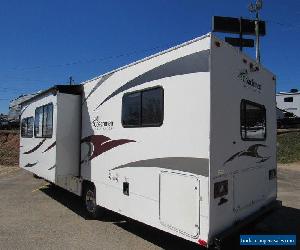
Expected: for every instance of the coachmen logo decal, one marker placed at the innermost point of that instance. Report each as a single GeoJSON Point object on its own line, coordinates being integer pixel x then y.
{"type": "Point", "coordinates": [244, 77]}
{"type": "Point", "coordinates": [102, 125]}
{"type": "Point", "coordinates": [251, 151]}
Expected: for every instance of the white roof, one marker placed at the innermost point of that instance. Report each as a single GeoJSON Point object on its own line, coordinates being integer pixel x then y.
{"type": "Point", "coordinates": [288, 93]}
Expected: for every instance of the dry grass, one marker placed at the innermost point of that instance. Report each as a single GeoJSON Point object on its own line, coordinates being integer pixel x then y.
{"type": "Point", "coordinates": [288, 149]}
{"type": "Point", "coordinates": [9, 148]}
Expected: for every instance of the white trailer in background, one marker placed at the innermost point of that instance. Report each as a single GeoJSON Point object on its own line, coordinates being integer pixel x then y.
{"type": "Point", "coordinates": [184, 140]}
{"type": "Point", "coordinates": [289, 102]}
{"type": "Point", "coordinates": [288, 109]}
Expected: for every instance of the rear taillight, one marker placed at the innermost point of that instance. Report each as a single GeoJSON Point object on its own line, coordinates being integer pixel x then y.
{"type": "Point", "coordinates": [202, 243]}
{"type": "Point", "coordinates": [220, 189]}
{"type": "Point", "coordinates": [272, 174]}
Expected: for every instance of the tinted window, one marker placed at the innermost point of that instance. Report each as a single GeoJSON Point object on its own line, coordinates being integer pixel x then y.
{"type": "Point", "coordinates": [288, 99]}
{"type": "Point", "coordinates": [47, 122]}
{"type": "Point", "coordinates": [38, 122]}
{"type": "Point", "coordinates": [131, 109]}
{"type": "Point", "coordinates": [152, 107]}
{"type": "Point", "coordinates": [30, 126]}
{"type": "Point", "coordinates": [253, 121]}
{"type": "Point", "coordinates": [27, 127]}
{"type": "Point", "coordinates": [23, 127]}
{"type": "Point", "coordinates": [143, 108]}
{"type": "Point", "coordinates": [43, 123]}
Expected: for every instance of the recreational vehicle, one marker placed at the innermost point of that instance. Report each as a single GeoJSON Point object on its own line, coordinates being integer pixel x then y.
{"type": "Point", "coordinates": [288, 106]}
{"type": "Point", "coordinates": [183, 140]}
{"type": "Point", "coordinates": [289, 101]}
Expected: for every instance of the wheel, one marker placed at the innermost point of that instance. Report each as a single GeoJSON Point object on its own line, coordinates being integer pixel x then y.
{"type": "Point", "coordinates": [89, 197]}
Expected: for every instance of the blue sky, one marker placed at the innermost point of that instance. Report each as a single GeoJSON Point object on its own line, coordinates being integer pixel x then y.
{"type": "Point", "coordinates": [45, 42]}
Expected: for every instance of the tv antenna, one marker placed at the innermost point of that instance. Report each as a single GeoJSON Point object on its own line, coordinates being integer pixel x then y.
{"type": "Point", "coordinates": [255, 8]}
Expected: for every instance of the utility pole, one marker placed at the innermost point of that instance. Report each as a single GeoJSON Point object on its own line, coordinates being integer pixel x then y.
{"type": "Point", "coordinates": [256, 8]}
{"type": "Point", "coordinates": [71, 81]}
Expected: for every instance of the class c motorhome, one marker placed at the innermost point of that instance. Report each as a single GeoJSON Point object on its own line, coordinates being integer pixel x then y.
{"type": "Point", "coordinates": [184, 140]}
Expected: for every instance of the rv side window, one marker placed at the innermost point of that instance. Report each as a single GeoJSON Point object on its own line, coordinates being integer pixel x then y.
{"type": "Point", "coordinates": [131, 110]}
{"type": "Point", "coordinates": [288, 99]}
{"type": "Point", "coordinates": [27, 127]}
{"type": "Point", "coordinates": [38, 122]}
{"type": "Point", "coordinates": [30, 126]}
{"type": "Point", "coordinates": [48, 120]}
{"type": "Point", "coordinates": [43, 123]}
{"type": "Point", "coordinates": [152, 107]}
{"type": "Point", "coordinates": [253, 121]}
{"type": "Point", "coordinates": [143, 108]}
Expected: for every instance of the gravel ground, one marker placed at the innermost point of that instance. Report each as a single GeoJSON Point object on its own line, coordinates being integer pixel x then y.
{"type": "Point", "coordinates": [289, 184]}
{"type": "Point", "coordinates": [36, 215]}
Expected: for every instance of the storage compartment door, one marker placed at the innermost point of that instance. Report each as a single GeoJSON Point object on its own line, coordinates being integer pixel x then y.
{"type": "Point", "coordinates": [179, 203]}
{"type": "Point", "coordinates": [249, 188]}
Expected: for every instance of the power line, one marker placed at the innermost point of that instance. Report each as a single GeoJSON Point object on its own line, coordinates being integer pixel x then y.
{"type": "Point", "coordinates": [22, 78]}
{"type": "Point", "coordinates": [288, 25]}
{"type": "Point", "coordinates": [5, 88]}
{"type": "Point", "coordinates": [127, 54]}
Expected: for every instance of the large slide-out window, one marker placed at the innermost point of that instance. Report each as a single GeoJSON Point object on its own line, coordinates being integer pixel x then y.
{"type": "Point", "coordinates": [143, 108]}
{"type": "Point", "coordinates": [27, 127]}
{"type": "Point", "coordinates": [43, 123]}
{"type": "Point", "coordinates": [253, 121]}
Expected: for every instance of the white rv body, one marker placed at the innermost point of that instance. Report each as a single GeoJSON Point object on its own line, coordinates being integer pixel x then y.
{"type": "Point", "coordinates": [165, 175]}
{"type": "Point", "coordinates": [55, 158]}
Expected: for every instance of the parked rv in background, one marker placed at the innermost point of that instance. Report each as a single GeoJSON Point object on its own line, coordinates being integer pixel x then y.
{"type": "Point", "coordinates": [11, 121]}
{"type": "Point", "coordinates": [289, 101]}
{"type": "Point", "coordinates": [288, 113]}
{"type": "Point", "coordinates": [184, 140]}
{"type": "Point", "coordinates": [3, 121]}
{"type": "Point", "coordinates": [15, 107]}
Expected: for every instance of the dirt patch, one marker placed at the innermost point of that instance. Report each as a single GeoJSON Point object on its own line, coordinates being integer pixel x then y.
{"type": "Point", "coordinates": [9, 147]}
{"type": "Point", "coordinates": [294, 166]}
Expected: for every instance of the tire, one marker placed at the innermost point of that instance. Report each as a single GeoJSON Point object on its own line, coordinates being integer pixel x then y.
{"type": "Point", "coordinates": [89, 199]}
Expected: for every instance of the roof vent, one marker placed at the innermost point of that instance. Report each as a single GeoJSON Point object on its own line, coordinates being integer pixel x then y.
{"type": "Point", "coordinates": [294, 90]}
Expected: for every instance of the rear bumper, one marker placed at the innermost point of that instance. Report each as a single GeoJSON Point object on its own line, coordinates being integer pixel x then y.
{"type": "Point", "coordinates": [221, 237]}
